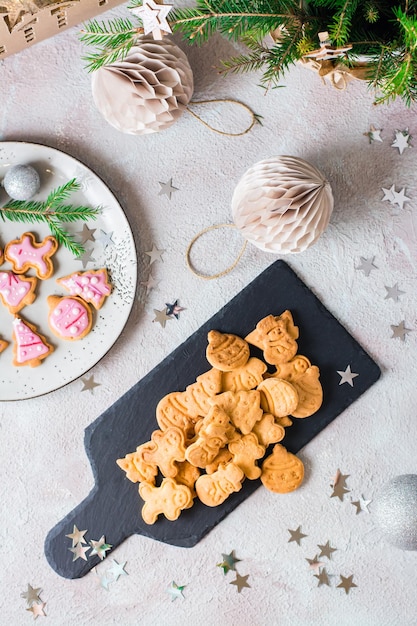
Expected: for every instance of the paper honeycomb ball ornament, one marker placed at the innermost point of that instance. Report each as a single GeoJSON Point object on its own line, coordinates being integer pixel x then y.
{"type": "Point", "coordinates": [282, 204]}
{"type": "Point", "coordinates": [395, 511]}
{"type": "Point", "coordinates": [147, 91]}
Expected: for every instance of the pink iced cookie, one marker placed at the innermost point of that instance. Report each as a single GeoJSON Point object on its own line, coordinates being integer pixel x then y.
{"type": "Point", "coordinates": [92, 286]}
{"type": "Point", "coordinates": [26, 253]}
{"type": "Point", "coordinates": [69, 317]}
{"type": "Point", "coordinates": [16, 291]}
{"type": "Point", "coordinates": [30, 348]}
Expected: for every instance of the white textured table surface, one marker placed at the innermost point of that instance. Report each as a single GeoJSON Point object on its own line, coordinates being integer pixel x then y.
{"type": "Point", "coordinates": [45, 97]}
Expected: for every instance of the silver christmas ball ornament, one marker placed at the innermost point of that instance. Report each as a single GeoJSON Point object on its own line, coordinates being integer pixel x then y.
{"type": "Point", "coordinates": [282, 204]}
{"type": "Point", "coordinates": [21, 182]}
{"type": "Point", "coordinates": [395, 511]}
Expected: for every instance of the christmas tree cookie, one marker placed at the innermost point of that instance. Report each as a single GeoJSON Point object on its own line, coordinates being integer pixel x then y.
{"type": "Point", "coordinates": [92, 286]}
{"type": "Point", "coordinates": [16, 291]}
{"type": "Point", "coordinates": [30, 347]}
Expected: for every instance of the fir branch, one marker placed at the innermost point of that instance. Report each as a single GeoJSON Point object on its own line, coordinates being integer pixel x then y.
{"type": "Point", "coordinates": [112, 41]}
{"type": "Point", "coordinates": [53, 213]}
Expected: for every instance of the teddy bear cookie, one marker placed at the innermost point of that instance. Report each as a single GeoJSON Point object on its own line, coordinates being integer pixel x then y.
{"type": "Point", "coordinates": [26, 253]}
{"type": "Point", "coordinates": [69, 318]}
{"type": "Point", "coordinates": [30, 347]}
{"type": "Point", "coordinates": [92, 286]}
{"type": "Point", "coordinates": [16, 291]}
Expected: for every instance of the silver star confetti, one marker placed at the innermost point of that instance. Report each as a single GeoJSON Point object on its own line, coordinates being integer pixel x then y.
{"type": "Point", "coordinates": [31, 595]}
{"type": "Point", "coordinates": [100, 548]}
{"type": "Point", "coordinates": [89, 383]}
{"type": "Point", "coordinates": [155, 254]}
{"type": "Point", "coordinates": [374, 134]}
{"type": "Point", "coordinates": [388, 194]}
{"type": "Point", "coordinates": [105, 239]}
{"type": "Point", "coordinates": [346, 583]}
{"type": "Point", "coordinates": [117, 570]}
{"type": "Point", "coordinates": [229, 562]}
{"type": "Point", "coordinates": [322, 577]}
{"type": "Point", "coordinates": [326, 550]}
{"type": "Point", "coordinates": [399, 197]}
{"type": "Point", "coordinates": [315, 564]}
{"type": "Point", "coordinates": [296, 535]}
{"type": "Point", "coordinates": [347, 376]}
{"type": "Point", "coordinates": [86, 234]}
{"type": "Point", "coordinates": [339, 486]}
{"type": "Point", "coordinates": [394, 293]}
{"type": "Point", "coordinates": [150, 284]}
{"type": "Point", "coordinates": [367, 265]}
{"type": "Point", "coordinates": [175, 591]}
{"type": "Point", "coordinates": [174, 309]}
{"type": "Point", "coordinates": [85, 258]}
{"type": "Point", "coordinates": [79, 551]}
{"type": "Point", "coordinates": [161, 317]}
{"type": "Point", "coordinates": [399, 331]}
{"type": "Point", "coordinates": [240, 582]}
{"type": "Point", "coordinates": [401, 141]}
{"type": "Point", "coordinates": [77, 536]}
{"type": "Point", "coordinates": [103, 579]}
{"type": "Point", "coordinates": [37, 610]}
{"type": "Point", "coordinates": [167, 189]}
{"type": "Point", "coordinates": [361, 505]}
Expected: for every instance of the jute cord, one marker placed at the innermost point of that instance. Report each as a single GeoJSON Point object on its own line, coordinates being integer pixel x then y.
{"type": "Point", "coordinates": [224, 272]}
{"type": "Point", "coordinates": [222, 132]}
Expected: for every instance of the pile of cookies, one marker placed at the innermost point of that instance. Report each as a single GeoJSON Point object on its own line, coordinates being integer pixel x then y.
{"type": "Point", "coordinates": [70, 317]}
{"type": "Point", "coordinates": [213, 435]}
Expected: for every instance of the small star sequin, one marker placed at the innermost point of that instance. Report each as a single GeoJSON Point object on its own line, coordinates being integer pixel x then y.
{"type": "Point", "coordinates": [296, 535]}
{"type": "Point", "coordinates": [103, 579]}
{"type": "Point", "coordinates": [37, 609]}
{"type": "Point", "coordinates": [105, 239]}
{"type": "Point", "coordinates": [31, 595]}
{"type": "Point", "coordinates": [155, 254]}
{"type": "Point", "coordinates": [89, 383]}
{"type": "Point", "coordinates": [79, 552]}
{"type": "Point", "coordinates": [174, 309]}
{"type": "Point", "coordinates": [399, 331]}
{"type": "Point", "coordinates": [346, 583]}
{"type": "Point", "coordinates": [100, 548]}
{"type": "Point", "coordinates": [240, 582]}
{"type": "Point", "coordinates": [161, 317]}
{"type": "Point", "coordinates": [339, 486]}
{"type": "Point", "coordinates": [176, 591]}
{"type": "Point", "coordinates": [394, 293]}
{"type": "Point", "coordinates": [399, 198]}
{"type": "Point", "coordinates": [401, 141]}
{"type": "Point", "coordinates": [326, 550]}
{"type": "Point", "coordinates": [85, 258]}
{"type": "Point", "coordinates": [167, 189]}
{"type": "Point", "coordinates": [86, 234]}
{"type": "Point", "coordinates": [117, 570]}
{"type": "Point", "coordinates": [347, 376]}
{"type": "Point", "coordinates": [150, 284]}
{"type": "Point", "coordinates": [388, 194]}
{"type": "Point", "coordinates": [361, 505]}
{"type": "Point", "coordinates": [367, 265]}
{"type": "Point", "coordinates": [315, 564]}
{"type": "Point", "coordinates": [374, 134]}
{"type": "Point", "coordinates": [322, 577]}
{"type": "Point", "coordinates": [229, 562]}
{"type": "Point", "coordinates": [77, 536]}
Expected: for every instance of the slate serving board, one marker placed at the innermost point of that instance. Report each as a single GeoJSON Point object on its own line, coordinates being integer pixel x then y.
{"type": "Point", "coordinates": [113, 506]}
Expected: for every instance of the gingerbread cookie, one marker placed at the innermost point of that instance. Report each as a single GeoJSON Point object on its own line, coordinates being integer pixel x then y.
{"type": "Point", "coordinates": [278, 397]}
{"type": "Point", "coordinates": [92, 286]}
{"type": "Point", "coordinates": [282, 471]}
{"type": "Point", "coordinates": [244, 378]}
{"type": "Point", "coordinates": [16, 291]}
{"type": "Point", "coordinates": [226, 352]}
{"type": "Point", "coordinates": [169, 447]}
{"type": "Point", "coordinates": [69, 317]}
{"type": "Point", "coordinates": [169, 499]}
{"type": "Point", "coordinates": [246, 450]}
{"type": "Point", "coordinates": [276, 336]}
{"type": "Point", "coordinates": [26, 253]}
{"type": "Point", "coordinates": [30, 347]}
{"type": "Point", "coordinates": [214, 489]}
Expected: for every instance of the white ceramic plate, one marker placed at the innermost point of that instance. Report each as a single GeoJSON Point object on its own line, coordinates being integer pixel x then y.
{"type": "Point", "coordinates": [113, 248]}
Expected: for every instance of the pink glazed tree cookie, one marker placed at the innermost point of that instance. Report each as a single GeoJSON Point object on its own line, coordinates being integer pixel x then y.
{"type": "Point", "coordinates": [92, 286]}
{"type": "Point", "coordinates": [16, 291]}
{"type": "Point", "coordinates": [29, 348]}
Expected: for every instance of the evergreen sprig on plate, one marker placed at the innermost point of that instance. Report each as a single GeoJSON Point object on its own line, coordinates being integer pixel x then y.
{"type": "Point", "coordinates": [54, 212]}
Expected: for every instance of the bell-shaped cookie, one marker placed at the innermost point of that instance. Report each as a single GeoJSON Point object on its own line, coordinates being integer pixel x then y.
{"type": "Point", "coordinates": [226, 352]}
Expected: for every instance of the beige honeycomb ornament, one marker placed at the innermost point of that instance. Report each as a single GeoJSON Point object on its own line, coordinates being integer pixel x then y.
{"type": "Point", "coordinates": [282, 204]}
{"type": "Point", "coordinates": [147, 91]}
